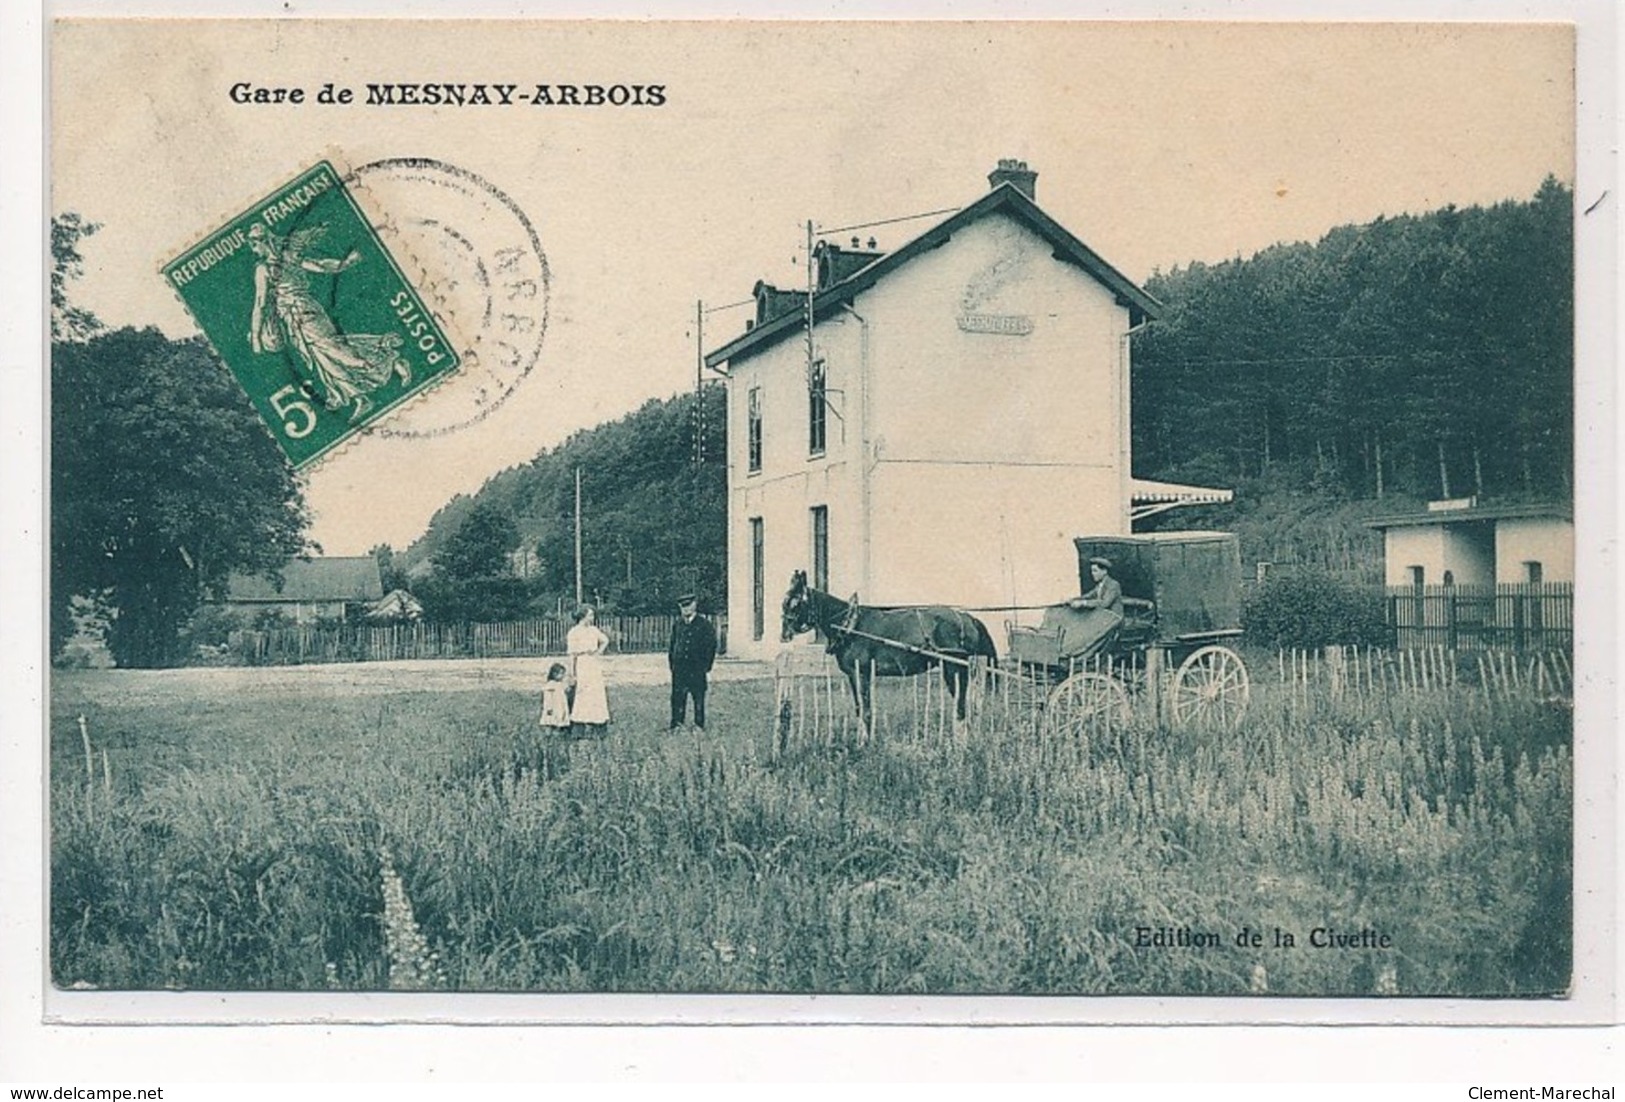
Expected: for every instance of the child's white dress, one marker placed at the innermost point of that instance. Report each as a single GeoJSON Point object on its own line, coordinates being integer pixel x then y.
{"type": "Point", "coordinates": [555, 705]}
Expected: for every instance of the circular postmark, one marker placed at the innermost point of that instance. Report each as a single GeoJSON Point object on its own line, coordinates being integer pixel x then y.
{"type": "Point", "coordinates": [479, 261]}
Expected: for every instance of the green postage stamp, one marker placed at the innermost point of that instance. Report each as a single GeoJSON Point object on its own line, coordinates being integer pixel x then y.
{"type": "Point", "coordinates": [306, 306]}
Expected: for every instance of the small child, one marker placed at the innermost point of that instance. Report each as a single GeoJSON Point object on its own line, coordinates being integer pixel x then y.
{"type": "Point", "coordinates": [556, 699]}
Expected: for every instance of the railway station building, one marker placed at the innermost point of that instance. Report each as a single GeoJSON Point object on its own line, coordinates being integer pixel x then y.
{"type": "Point", "coordinates": [959, 416]}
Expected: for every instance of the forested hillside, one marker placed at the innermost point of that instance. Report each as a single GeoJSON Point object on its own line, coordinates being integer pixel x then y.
{"type": "Point", "coordinates": [1405, 360]}
{"type": "Point", "coordinates": [653, 519]}
{"type": "Point", "coordinates": [1412, 358]}
{"type": "Point", "coordinates": [1430, 355]}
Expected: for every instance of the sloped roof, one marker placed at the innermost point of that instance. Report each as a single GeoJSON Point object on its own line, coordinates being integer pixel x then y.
{"type": "Point", "coordinates": [1476, 513]}
{"type": "Point", "coordinates": [397, 604]}
{"type": "Point", "coordinates": [346, 578]}
{"type": "Point", "coordinates": [1005, 198]}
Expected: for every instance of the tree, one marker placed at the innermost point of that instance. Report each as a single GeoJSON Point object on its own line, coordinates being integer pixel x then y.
{"type": "Point", "coordinates": [69, 322]}
{"type": "Point", "coordinates": [1417, 355]}
{"type": "Point", "coordinates": [654, 519]}
{"type": "Point", "coordinates": [471, 580]}
{"type": "Point", "coordinates": [163, 482]}
{"type": "Point", "coordinates": [389, 571]}
{"type": "Point", "coordinates": [480, 545]}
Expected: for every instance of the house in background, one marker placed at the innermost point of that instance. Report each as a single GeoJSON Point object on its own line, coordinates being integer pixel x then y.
{"type": "Point", "coordinates": [957, 415]}
{"type": "Point", "coordinates": [311, 590]}
{"type": "Point", "coordinates": [1463, 543]}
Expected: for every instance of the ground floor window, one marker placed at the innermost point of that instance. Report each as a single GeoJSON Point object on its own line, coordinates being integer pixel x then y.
{"type": "Point", "coordinates": [758, 581]}
{"type": "Point", "coordinates": [820, 547]}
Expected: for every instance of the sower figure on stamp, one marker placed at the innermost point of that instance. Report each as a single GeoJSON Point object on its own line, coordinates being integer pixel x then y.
{"type": "Point", "coordinates": [690, 655]}
{"type": "Point", "coordinates": [286, 314]}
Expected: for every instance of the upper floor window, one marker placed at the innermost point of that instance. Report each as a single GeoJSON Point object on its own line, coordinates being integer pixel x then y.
{"type": "Point", "coordinates": [753, 429]}
{"type": "Point", "coordinates": [817, 410]}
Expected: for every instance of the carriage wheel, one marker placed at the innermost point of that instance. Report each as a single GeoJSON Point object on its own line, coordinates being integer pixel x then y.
{"type": "Point", "coordinates": [1088, 705]}
{"type": "Point", "coordinates": [1211, 686]}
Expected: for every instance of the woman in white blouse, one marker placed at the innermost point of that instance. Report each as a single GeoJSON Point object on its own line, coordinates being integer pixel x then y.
{"type": "Point", "coordinates": [586, 642]}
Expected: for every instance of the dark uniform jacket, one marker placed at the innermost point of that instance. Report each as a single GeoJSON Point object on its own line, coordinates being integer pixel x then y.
{"type": "Point", "coordinates": [693, 646]}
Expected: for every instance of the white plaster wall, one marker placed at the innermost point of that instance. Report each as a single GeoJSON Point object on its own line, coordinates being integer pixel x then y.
{"type": "Point", "coordinates": [1546, 540]}
{"type": "Point", "coordinates": [790, 481]}
{"type": "Point", "coordinates": [1052, 396]}
{"type": "Point", "coordinates": [1470, 561]}
{"type": "Point", "coordinates": [1417, 545]}
{"type": "Point", "coordinates": [981, 537]}
{"type": "Point", "coordinates": [992, 451]}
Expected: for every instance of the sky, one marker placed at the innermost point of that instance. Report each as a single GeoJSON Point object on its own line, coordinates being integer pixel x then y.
{"type": "Point", "coordinates": [1158, 144]}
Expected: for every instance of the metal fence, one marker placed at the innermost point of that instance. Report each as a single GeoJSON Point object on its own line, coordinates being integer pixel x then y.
{"type": "Point", "coordinates": [1532, 617]}
{"type": "Point", "coordinates": [542, 635]}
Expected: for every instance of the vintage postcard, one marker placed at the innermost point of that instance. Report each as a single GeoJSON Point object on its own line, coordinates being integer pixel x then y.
{"type": "Point", "coordinates": [947, 522]}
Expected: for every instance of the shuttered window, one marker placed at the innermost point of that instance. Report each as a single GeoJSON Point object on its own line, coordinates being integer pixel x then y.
{"type": "Point", "coordinates": [753, 429]}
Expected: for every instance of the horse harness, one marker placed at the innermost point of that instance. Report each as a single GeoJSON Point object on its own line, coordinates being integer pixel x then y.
{"type": "Point", "coordinates": [846, 627]}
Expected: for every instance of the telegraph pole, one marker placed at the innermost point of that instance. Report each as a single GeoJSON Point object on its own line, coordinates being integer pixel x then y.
{"type": "Point", "coordinates": [699, 382]}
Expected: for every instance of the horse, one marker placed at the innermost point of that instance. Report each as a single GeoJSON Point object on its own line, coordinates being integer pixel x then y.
{"type": "Point", "coordinates": [888, 642]}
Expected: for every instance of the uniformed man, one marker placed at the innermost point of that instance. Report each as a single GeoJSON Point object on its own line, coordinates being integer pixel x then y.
{"type": "Point", "coordinates": [692, 651]}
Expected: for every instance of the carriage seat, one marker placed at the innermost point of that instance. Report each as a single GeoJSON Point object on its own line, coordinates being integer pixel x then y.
{"type": "Point", "coordinates": [1065, 635]}
{"type": "Point", "coordinates": [1082, 633]}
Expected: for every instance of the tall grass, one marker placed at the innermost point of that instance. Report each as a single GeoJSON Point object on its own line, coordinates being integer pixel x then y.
{"type": "Point", "coordinates": [253, 848]}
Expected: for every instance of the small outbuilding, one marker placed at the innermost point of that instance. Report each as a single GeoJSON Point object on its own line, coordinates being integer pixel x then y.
{"type": "Point", "coordinates": [1463, 543]}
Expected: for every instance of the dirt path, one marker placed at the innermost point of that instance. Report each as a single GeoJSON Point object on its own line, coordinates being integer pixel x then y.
{"type": "Point", "coordinates": [356, 678]}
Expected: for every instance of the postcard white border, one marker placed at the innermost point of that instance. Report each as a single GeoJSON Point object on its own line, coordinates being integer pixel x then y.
{"type": "Point", "coordinates": [308, 1049]}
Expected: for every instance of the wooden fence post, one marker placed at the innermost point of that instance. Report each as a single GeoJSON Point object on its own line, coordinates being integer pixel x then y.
{"type": "Point", "coordinates": [1153, 682]}
{"type": "Point", "coordinates": [1334, 669]}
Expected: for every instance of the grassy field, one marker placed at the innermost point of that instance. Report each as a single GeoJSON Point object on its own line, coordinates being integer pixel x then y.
{"type": "Point", "coordinates": [283, 830]}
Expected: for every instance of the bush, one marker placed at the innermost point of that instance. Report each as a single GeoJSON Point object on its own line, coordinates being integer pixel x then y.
{"type": "Point", "coordinates": [212, 626]}
{"type": "Point", "coordinates": [1313, 610]}
{"type": "Point", "coordinates": [475, 600]}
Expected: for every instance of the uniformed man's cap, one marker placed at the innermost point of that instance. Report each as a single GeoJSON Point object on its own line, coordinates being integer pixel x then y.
{"type": "Point", "coordinates": [1103, 563]}
{"type": "Point", "coordinates": [687, 599]}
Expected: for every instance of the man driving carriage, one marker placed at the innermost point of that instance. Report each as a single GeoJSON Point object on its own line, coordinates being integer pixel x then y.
{"type": "Point", "coordinates": [1107, 594]}
{"type": "Point", "coordinates": [1089, 624]}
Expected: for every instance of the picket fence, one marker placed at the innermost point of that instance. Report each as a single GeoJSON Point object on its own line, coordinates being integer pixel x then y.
{"type": "Point", "coordinates": [1533, 618]}
{"type": "Point", "coordinates": [814, 707]}
{"type": "Point", "coordinates": [1372, 672]}
{"type": "Point", "coordinates": [533, 638]}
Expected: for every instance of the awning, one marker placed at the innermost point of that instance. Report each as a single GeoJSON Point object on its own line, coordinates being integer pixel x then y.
{"type": "Point", "coordinates": [1147, 497]}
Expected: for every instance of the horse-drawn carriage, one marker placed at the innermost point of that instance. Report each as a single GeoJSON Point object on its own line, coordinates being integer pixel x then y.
{"type": "Point", "coordinates": [1181, 605]}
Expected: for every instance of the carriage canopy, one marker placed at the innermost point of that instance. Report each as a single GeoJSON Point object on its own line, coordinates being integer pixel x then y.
{"type": "Point", "coordinates": [1193, 578]}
